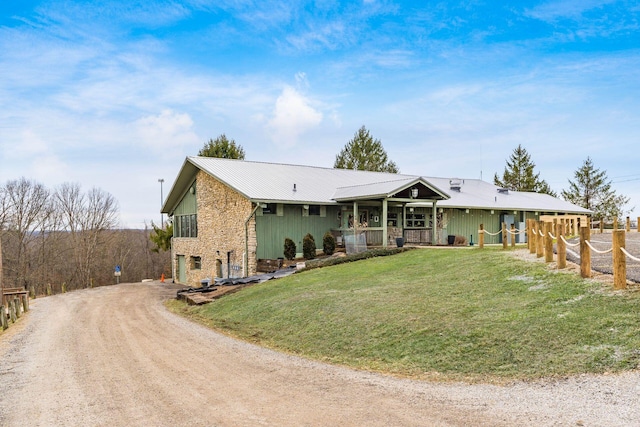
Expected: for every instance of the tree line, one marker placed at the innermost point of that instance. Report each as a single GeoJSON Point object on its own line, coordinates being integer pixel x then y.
{"type": "Point", "coordinates": [66, 238]}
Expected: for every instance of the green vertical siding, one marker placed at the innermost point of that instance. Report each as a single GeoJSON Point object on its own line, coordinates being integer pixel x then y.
{"type": "Point", "coordinates": [467, 224]}
{"type": "Point", "coordinates": [271, 230]}
{"type": "Point", "coordinates": [188, 205]}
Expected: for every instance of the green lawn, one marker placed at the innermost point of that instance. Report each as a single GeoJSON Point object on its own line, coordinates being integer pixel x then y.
{"type": "Point", "coordinates": [475, 315]}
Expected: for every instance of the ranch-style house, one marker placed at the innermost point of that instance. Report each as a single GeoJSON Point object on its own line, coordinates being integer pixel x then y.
{"type": "Point", "coordinates": [228, 214]}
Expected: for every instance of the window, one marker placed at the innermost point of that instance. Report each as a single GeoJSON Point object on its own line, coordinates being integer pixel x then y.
{"type": "Point", "coordinates": [314, 210]}
{"type": "Point", "coordinates": [415, 220]}
{"type": "Point", "coordinates": [271, 209]}
{"type": "Point", "coordinates": [196, 263]}
{"type": "Point", "coordinates": [392, 219]}
{"type": "Point", "coordinates": [186, 226]}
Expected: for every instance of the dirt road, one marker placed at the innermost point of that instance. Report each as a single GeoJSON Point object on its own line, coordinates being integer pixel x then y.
{"type": "Point", "coordinates": [113, 356]}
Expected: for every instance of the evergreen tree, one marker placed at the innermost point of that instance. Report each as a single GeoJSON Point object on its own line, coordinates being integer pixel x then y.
{"type": "Point", "coordinates": [592, 190]}
{"type": "Point", "coordinates": [519, 174]}
{"type": "Point", "coordinates": [161, 237]}
{"type": "Point", "coordinates": [222, 148]}
{"type": "Point", "coordinates": [364, 153]}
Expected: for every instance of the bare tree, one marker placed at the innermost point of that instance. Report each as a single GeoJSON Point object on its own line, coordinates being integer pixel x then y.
{"type": "Point", "coordinates": [26, 208]}
{"type": "Point", "coordinates": [67, 239]}
{"type": "Point", "coordinates": [85, 217]}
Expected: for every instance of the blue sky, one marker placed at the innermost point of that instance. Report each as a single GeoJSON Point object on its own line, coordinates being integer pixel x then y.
{"type": "Point", "coordinates": [114, 94]}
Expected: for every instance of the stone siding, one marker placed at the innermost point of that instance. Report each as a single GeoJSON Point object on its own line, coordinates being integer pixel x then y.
{"type": "Point", "coordinates": [221, 217]}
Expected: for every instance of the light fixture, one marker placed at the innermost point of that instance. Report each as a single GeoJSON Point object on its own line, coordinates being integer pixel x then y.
{"type": "Point", "coordinates": [492, 212]}
{"type": "Point", "coordinates": [306, 207]}
{"type": "Point", "coordinates": [414, 193]}
{"type": "Point", "coordinates": [466, 211]}
{"type": "Point", "coordinates": [410, 209]}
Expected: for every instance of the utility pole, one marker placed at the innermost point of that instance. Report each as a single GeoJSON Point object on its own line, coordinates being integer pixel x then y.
{"type": "Point", "coordinates": [161, 180]}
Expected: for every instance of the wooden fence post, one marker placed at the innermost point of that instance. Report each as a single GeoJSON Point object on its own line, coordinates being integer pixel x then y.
{"type": "Point", "coordinates": [585, 253]}
{"type": "Point", "coordinates": [615, 223]}
{"type": "Point", "coordinates": [532, 236]}
{"type": "Point", "coordinates": [540, 240]}
{"type": "Point", "coordinates": [504, 236]}
{"type": "Point", "coordinates": [3, 317]}
{"type": "Point", "coordinates": [513, 235]}
{"type": "Point", "coordinates": [481, 236]}
{"type": "Point", "coordinates": [628, 224]}
{"type": "Point", "coordinates": [18, 304]}
{"type": "Point", "coordinates": [25, 303]}
{"type": "Point", "coordinates": [562, 248]}
{"type": "Point", "coordinates": [619, 260]}
{"type": "Point", "coordinates": [548, 243]}
{"type": "Point", "coordinates": [601, 225]}
{"type": "Point", "coordinates": [12, 312]}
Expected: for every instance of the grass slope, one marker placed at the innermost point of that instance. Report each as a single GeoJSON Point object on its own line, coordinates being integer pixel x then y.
{"type": "Point", "coordinates": [447, 314]}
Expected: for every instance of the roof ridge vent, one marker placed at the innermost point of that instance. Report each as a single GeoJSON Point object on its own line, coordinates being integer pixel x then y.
{"type": "Point", "coordinates": [455, 184]}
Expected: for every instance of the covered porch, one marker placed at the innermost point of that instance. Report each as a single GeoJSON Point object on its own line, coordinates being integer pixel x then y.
{"type": "Point", "coordinates": [381, 213]}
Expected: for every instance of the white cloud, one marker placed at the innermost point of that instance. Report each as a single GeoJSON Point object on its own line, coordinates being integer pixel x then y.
{"type": "Point", "coordinates": [166, 131]}
{"type": "Point", "coordinates": [574, 9]}
{"type": "Point", "coordinates": [293, 115]}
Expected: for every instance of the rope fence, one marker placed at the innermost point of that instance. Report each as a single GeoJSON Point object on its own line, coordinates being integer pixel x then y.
{"type": "Point", "coordinates": [490, 234]}
{"type": "Point", "coordinates": [541, 238]}
{"type": "Point", "coordinates": [628, 255]}
{"type": "Point", "coordinates": [593, 248]}
{"type": "Point", "coordinates": [569, 244]}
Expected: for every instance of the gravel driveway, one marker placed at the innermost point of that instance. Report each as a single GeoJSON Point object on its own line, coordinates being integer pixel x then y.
{"type": "Point", "coordinates": [603, 263]}
{"type": "Point", "coordinates": [114, 356]}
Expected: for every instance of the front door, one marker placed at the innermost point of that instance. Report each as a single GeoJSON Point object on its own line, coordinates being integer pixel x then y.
{"type": "Point", "coordinates": [182, 273]}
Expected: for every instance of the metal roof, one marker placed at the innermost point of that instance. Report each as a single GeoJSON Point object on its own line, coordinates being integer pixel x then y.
{"type": "Point", "coordinates": [386, 189]}
{"type": "Point", "coordinates": [274, 182]}
{"type": "Point", "coordinates": [478, 194]}
{"type": "Point", "coordinates": [285, 183]}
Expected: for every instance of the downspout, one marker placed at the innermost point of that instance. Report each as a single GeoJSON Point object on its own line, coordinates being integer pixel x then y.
{"type": "Point", "coordinates": [246, 240]}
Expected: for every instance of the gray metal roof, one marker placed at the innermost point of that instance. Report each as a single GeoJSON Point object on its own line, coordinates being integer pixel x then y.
{"type": "Point", "coordinates": [475, 193]}
{"type": "Point", "coordinates": [272, 182]}
{"type": "Point", "coordinates": [386, 189]}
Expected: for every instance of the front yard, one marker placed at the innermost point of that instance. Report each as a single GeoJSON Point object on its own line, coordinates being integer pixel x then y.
{"type": "Point", "coordinates": [474, 315]}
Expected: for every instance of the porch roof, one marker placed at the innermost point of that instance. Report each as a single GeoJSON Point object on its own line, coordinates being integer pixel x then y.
{"type": "Point", "coordinates": [400, 188]}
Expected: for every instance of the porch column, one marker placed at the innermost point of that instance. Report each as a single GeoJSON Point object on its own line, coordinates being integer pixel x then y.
{"type": "Point", "coordinates": [355, 217]}
{"type": "Point", "coordinates": [434, 225]}
{"type": "Point", "coordinates": [385, 211]}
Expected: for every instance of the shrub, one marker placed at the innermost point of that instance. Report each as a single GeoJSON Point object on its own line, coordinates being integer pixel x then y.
{"type": "Point", "coordinates": [289, 249]}
{"type": "Point", "coordinates": [308, 247]}
{"type": "Point", "coordinates": [328, 243]}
